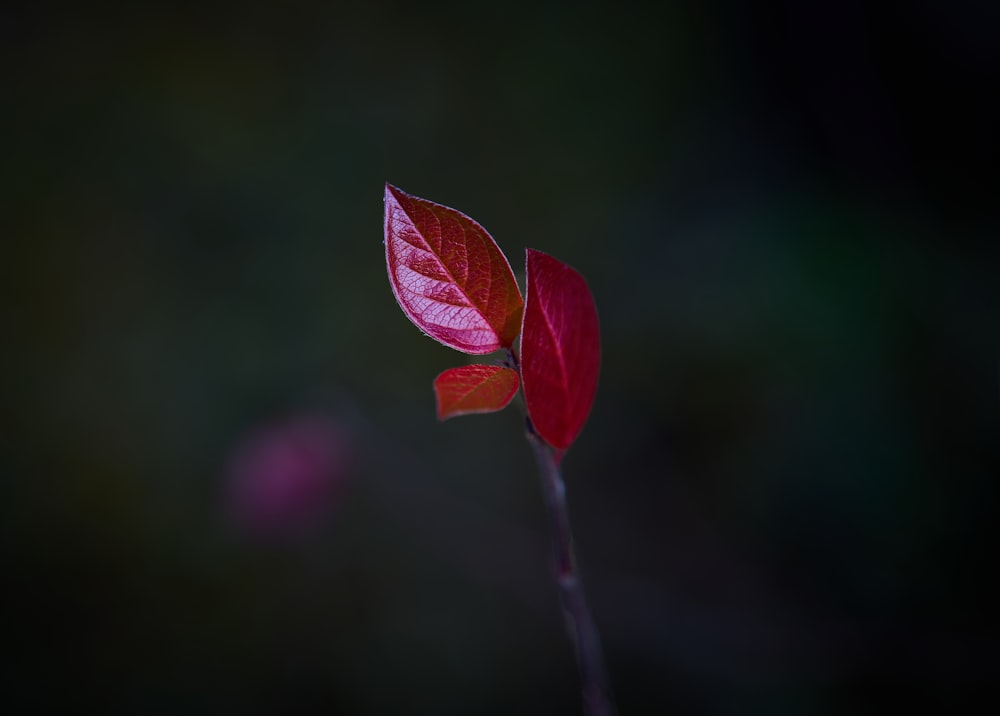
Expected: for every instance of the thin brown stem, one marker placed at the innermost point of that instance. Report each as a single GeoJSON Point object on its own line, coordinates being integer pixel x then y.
{"type": "Point", "coordinates": [597, 699]}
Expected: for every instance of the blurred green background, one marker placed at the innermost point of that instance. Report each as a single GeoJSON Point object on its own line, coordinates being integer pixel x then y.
{"type": "Point", "coordinates": [222, 486]}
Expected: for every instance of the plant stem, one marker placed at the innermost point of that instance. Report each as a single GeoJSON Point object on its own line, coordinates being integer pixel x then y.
{"type": "Point", "coordinates": [579, 622]}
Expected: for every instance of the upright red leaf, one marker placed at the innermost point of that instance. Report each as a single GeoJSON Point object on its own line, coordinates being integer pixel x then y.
{"type": "Point", "coordinates": [560, 349]}
{"type": "Point", "coordinates": [449, 276]}
{"type": "Point", "coordinates": [474, 389]}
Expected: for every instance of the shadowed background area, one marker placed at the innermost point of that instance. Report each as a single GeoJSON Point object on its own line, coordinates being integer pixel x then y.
{"type": "Point", "coordinates": [222, 485]}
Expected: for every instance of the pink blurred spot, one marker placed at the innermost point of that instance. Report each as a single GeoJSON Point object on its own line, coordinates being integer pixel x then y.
{"type": "Point", "coordinates": [287, 477]}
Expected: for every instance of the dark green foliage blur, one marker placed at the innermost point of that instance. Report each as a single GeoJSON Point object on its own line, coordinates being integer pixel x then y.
{"type": "Point", "coordinates": [222, 485]}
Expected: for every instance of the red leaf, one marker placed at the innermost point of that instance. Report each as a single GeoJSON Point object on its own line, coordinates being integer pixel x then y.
{"type": "Point", "coordinates": [474, 389]}
{"type": "Point", "coordinates": [560, 349]}
{"type": "Point", "coordinates": [449, 276]}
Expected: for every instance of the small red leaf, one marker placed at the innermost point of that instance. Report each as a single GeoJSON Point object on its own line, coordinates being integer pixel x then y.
{"type": "Point", "coordinates": [560, 349]}
{"type": "Point", "coordinates": [474, 389]}
{"type": "Point", "coordinates": [449, 276]}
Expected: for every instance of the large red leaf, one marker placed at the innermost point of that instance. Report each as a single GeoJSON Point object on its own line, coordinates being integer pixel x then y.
{"type": "Point", "coordinates": [449, 276]}
{"type": "Point", "coordinates": [560, 349]}
{"type": "Point", "coordinates": [474, 389]}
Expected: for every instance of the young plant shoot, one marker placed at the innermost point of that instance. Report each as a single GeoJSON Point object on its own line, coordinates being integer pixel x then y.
{"type": "Point", "coordinates": [455, 284]}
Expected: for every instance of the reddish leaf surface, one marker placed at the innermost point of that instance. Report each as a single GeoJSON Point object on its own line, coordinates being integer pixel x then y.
{"type": "Point", "coordinates": [560, 349]}
{"type": "Point", "coordinates": [449, 276]}
{"type": "Point", "coordinates": [474, 389]}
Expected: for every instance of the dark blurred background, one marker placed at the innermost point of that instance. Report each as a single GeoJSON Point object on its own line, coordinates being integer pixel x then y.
{"type": "Point", "coordinates": [222, 485]}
